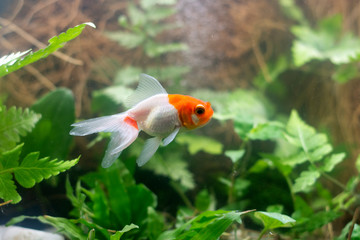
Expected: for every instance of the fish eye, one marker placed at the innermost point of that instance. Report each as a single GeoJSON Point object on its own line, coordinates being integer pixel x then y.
{"type": "Point", "coordinates": [200, 109]}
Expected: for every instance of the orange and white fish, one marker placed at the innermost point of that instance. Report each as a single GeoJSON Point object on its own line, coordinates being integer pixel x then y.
{"type": "Point", "coordinates": [153, 111]}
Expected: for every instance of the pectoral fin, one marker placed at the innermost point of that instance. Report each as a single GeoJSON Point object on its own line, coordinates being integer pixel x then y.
{"type": "Point", "coordinates": [171, 137]}
{"type": "Point", "coordinates": [150, 147]}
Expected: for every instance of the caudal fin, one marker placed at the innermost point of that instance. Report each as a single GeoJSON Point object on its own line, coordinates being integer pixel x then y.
{"type": "Point", "coordinates": [124, 132]}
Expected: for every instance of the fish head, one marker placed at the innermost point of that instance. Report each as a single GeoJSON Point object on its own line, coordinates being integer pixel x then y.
{"type": "Point", "coordinates": [193, 112]}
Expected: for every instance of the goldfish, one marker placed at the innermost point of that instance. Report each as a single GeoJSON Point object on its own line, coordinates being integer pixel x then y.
{"type": "Point", "coordinates": [152, 110]}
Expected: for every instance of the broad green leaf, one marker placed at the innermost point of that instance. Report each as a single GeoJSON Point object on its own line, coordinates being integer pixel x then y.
{"type": "Point", "coordinates": [136, 16]}
{"type": "Point", "coordinates": [197, 143]}
{"type": "Point", "coordinates": [214, 230]}
{"type": "Point", "coordinates": [316, 221]}
{"type": "Point", "coordinates": [300, 134]}
{"type": "Point", "coordinates": [235, 155]}
{"type": "Point", "coordinates": [140, 199]}
{"type": "Point", "coordinates": [306, 180]}
{"type": "Point", "coordinates": [357, 163]}
{"type": "Point", "coordinates": [153, 49]}
{"type": "Point", "coordinates": [147, 4]}
{"type": "Point", "coordinates": [295, 159]}
{"type": "Point", "coordinates": [127, 228]}
{"type": "Point", "coordinates": [54, 44]}
{"type": "Point", "coordinates": [208, 225]}
{"type": "Point", "coordinates": [101, 207]}
{"type": "Point", "coordinates": [155, 223]}
{"type": "Point", "coordinates": [331, 161]}
{"type": "Point", "coordinates": [290, 9]}
{"type": "Point", "coordinates": [159, 13]}
{"type": "Point", "coordinates": [274, 68]}
{"type": "Point", "coordinates": [203, 200]}
{"type": "Point", "coordinates": [266, 131]}
{"type": "Point", "coordinates": [127, 75]}
{"type": "Point", "coordinates": [170, 164]}
{"type": "Point", "coordinates": [345, 72]}
{"type": "Point", "coordinates": [345, 232]}
{"type": "Point", "coordinates": [326, 42]}
{"type": "Point", "coordinates": [15, 123]}
{"type": "Point", "coordinates": [33, 170]}
{"type": "Point", "coordinates": [128, 40]}
{"type": "Point", "coordinates": [118, 94]}
{"type": "Point", "coordinates": [51, 134]}
{"type": "Point", "coordinates": [272, 220]}
{"type": "Point", "coordinates": [91, 235]}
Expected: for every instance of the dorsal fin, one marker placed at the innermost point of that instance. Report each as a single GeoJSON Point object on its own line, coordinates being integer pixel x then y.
{"type": "Point", "coordinates": [148, 86]}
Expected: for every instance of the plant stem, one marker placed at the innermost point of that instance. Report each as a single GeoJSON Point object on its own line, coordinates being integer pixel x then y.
{"type": "Point", "coordinates": [182, 195]}
{"type": "Point", "coordinates": [262, 233]}
{"type": "Point", "coordinates": [234, 173]}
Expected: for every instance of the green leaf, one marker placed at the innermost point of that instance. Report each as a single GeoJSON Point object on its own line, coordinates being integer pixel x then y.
{"type": "Point", "coordinates": [153, 49]}
{"type": "Point", "coordinates": [11, 58]}
{"type": "Point", "coordinates": [118, 94]}
{"type": "Point", "coordinates": [14, 123]}
{"type": "Point", "coordinates": [316, 221]}
{"type": "Point", "coordinates": [272, 220]}
{"type": "Point", "coordinates": [127, 228]}
{"type": "Point", "coordinates": [208, 225]}
{"type": "Point", "coordinates": [30, 171]}
{"type": "Point", "coordinates": [235, 155]}
{"type": "Point", "coordinates": [33, 170]}
{"type": "Point", "coordinates": [9, 160]}
{"type": "Point", "coordinates": [345, 72]}
{"type": "Point", "coordinates": [197, 143]}
{"type": "Point", "coordinates": [332, 161]}
{"type": "Point", "coordinates": [171, 164]}
{"type": "Point", "coordinates": [203, 200]}
{"type": "Point", "coordinates": [306, 180]}
{"type": "Point", "coordinates": [300, 134]}
{"type": "Point", "coordinates": [128, 40]}
{"type": "Point", "coordinates": [357, 163]}
{"type": "Point", "coordinates": [326, 42]}
{"type": "Point", "coordinates": [218, 226]}
{"type": "Point", "coordinates": [345, 232]}
{"type": "Point", "coordinates": [291, 10]}
{"type": "Point", "coordinates": [54, 44]}
{"type": "Point", "coordinates": [51, 134]}
{"type": "Point", "coordinates": [266, 131]}
{"type": "Point", "coordinates": [160, 13]}
{"type": "Point", "coordinates": [147, 4]}
{"type": "Point", "coordinates": [127, 75]}
{"type": "Point", "coordinates": [155, 224]}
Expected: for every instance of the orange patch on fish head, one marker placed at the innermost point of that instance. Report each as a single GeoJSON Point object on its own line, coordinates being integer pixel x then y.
{"type": "Point", "coordinates": [193, 113]}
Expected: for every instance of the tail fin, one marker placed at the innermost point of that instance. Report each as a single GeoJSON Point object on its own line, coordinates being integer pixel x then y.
{"type": "Point", "coordinates": [124, 130]}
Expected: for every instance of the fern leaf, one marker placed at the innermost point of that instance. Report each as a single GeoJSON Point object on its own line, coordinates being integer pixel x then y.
{"type": "Point", "coordinates": [15, 123]}
{"type": "Point", "coordinates": [11, 58]}
{"type": "Point", "coordinates": [33, 170]}
{"type": "Point", "coordinates": [8, 160]}
{"type": "Point", "coordinates": [30, 171]}
{"type": "Point", "coordinates": [54, 44]}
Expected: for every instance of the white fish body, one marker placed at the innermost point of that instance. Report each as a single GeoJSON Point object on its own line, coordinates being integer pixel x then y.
{"type": "Point", "coordinates": [150, 111]}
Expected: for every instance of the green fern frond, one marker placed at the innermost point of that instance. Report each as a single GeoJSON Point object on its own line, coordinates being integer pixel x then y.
{"type": "Point", "coordinates": [12, 63]}
{"type": "Point", "coordinates": [14, 123]}
{"type": "Point", "coordinates": [11, 58]}
{"type": "Point", "coordinates": [28, 172]}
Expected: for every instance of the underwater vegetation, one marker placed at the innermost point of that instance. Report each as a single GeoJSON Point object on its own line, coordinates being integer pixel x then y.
{"type": "Point", "coordinates": [263, 168]}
